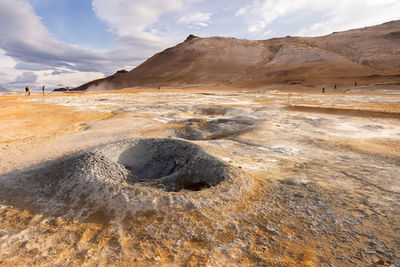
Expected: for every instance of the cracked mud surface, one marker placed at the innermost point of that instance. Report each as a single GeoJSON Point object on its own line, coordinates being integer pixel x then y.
{"type": "Point", "coordinates": [312, 186]}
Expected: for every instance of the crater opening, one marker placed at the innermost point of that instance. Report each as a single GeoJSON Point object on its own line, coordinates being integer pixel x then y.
{"type": "Point", "coordinates": [200, 129]}
{"type": "Point", "coordinates": [171, 165]}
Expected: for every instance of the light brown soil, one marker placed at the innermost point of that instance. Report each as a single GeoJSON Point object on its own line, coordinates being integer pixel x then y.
{"type": "Point", "coordinates": [22, 120]}
{"type": "Point", "coordinates": [326, 183]}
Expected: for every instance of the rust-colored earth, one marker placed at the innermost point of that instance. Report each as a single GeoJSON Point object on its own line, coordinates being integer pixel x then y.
{"type": "Point", "coordinates": [324, 187]}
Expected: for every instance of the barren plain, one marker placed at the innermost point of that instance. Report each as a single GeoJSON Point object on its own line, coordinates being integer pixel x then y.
{"type": "Point", "coordinates": [300, 178]}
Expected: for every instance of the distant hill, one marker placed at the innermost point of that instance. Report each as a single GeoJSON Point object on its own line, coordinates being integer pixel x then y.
{"type": "Point", "coordinates": [60, 89]}
{"type": "Point", "coordinates": [368, 54]}
{"type": "Point", "coordinates": [4, 89]}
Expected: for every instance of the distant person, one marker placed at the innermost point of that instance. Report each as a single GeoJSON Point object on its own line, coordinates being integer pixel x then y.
{"type": "Point", "coordinates": [355, 84]}
{"type": "Point", "coordinates": [67, 89]}
{"type": "Point", "coordinates": [335, 87]}
{"type": "Point", "coordinates": [27, 91]}
{"type": "Point", "coordinates": [323, 90]}
{"type": "Point", "coordinates": [159, 88]}
{"type": "Point", "coordinates": [43, 89]}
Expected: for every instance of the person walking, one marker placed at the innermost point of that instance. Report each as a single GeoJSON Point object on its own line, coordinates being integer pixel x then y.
{"type": "Point", "coordinates": [27, 91]}
{"type": "Point", "coordinates": [323, 90]}
{"type": "Point", "coordinates": [43, 89]}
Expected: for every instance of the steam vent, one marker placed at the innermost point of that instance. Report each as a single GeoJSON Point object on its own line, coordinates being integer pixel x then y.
{"type": "Point", "coordinates": [129, 176]}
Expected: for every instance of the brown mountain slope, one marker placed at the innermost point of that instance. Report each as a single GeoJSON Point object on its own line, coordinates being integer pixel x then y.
{"type": "Point", "coordinates": [368, 54]}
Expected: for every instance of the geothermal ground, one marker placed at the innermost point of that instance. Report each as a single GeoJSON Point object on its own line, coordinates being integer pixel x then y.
{"type": "Point", "coordinates": [197, 178]}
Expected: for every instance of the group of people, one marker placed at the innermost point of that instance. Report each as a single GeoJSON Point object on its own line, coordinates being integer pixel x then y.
{"type": "Point", "coordinates": [28, 90]}
{"type": "Point", "coordinates": [335, 86]}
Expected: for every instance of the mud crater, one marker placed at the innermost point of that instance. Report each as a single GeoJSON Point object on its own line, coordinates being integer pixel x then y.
{"type": "Point", "coordinates": [223, 128]}
{"type": "Point", "coordinates": [172, 165]}
{"type": "Point", "coordinates": [126, 177]}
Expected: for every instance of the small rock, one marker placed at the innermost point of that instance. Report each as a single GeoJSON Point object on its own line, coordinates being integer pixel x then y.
{"type": "Point", "coordinates": [382, 262]}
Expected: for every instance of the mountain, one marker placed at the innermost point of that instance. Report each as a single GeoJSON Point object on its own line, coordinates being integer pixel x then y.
{"type": "Point", "coordinates": [370, 54]}
{"type": "Point", "coordinates": [4, 89]}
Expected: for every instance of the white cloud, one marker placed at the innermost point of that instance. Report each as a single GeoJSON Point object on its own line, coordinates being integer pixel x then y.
{"type": "Point", "coordinates": [269, 32]}
{"type": "Point", "coordinates": [261, 13]}
{"type": "Point", "coordinates": [133, 22]}
{"type": "Point", "coordinates": [24, 38]}
{"type": "Point", "coordinates": [67, 78]}
{"type": "Point", "coordinates": [60, 71]}
{"type": "Point", "coordinates": [26, 77]}
{"type": "Point", "coordinates": [197, 18]}
{"type": "Point", "coordinates": [7, 69]}
{"type": "Point", "coordinates": [126, 17]}
{"type": "Point", "coordinates": [328, 15]}
{"type": "Point", "coordinates": [51, 79]}
{"type": "Point", "coordinates": [28, 44]}
{"type": "Point", "coordinates": [345, 15]}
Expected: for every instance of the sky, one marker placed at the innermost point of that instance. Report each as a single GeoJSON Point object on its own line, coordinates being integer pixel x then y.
{"type": "Point", "coordinates": [59, 43]}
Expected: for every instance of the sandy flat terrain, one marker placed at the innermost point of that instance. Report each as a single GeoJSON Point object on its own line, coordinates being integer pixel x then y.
{"type": "Point", "coordinates": [322, 188]}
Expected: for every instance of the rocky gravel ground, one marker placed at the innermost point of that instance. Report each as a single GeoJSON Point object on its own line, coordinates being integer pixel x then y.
{"type": "Point", "coordinates": [308, 187]}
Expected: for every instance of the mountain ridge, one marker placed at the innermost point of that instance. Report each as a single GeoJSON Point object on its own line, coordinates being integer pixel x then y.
{"type": "Point", "coordinates": [369, 53]}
